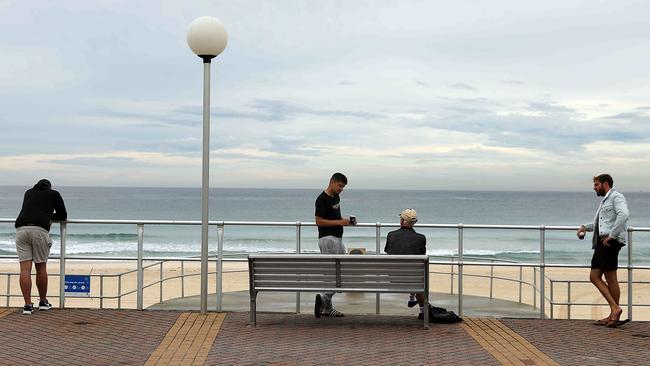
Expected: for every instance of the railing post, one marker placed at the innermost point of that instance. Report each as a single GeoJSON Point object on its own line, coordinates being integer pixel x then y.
{"type": "Point", "coordinates": [542, 282]}
{"type": "Point", "coordinates": [552, 284]}
{"type": "Point", "coordinates": [140, 280]}
{"type": "Point", "coordinates": [119, 291]}
{"type": "Point", "coordinates": [298, 250]}
{"type": "Point", "coordinates": [460, 269]}
{"type": "Point", "coordinates": [568, 296]}
{"type": "Point", "coordinates": [8, 288]}
{"type": "Point", "coordinates": [534, 287]}
{"type": "Point", "coordinates": [630, 299]}
{"type": "Point", "coordinates": [161, 281]}
{"type": "Point", "coordinates": [377, 252]}
{"type": "Point", "coordinates": [63, 231]}
{"type": "Point", "coordinates": [521, 278]}
{"type": "Point", "coordinates": [101, 291]}
{"type": "Point", "coordinates": [451, 276]}
{"type": "Point", "coordinates": [182, 278]}
{"type": "Point", "coordinates": [220, 229]}
{"type": "Point", "coordinates": [491, 277]}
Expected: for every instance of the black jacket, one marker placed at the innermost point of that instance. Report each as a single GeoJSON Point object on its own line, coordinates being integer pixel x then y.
{"type": "Point", "coordinates": [41, 205]}
{"type": "Point", "coordinates": [405, 241]}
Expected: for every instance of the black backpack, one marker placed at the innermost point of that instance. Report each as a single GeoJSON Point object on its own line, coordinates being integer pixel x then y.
{"type": "Point", "coordinates": [442, 315]}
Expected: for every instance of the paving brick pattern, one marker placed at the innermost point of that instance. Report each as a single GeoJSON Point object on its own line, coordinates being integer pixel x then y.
{"type": "Point", "coordinates": [290, 339]}
{"type": "Point", "coordinates": [82, 337]}
{"type": "Point", "coordinates": [579, 342]}
{"type": "Point", "coordinates": [188, 341]}
{"type": "Point", "coordinates": [506, 346]}
{"type": "Point", "coordinates": [6, 311]}
{"type": "Point", "coordinates": [130, 337]}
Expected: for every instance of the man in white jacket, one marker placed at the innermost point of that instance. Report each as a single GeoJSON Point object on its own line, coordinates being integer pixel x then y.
{"type": "Point", "coordinates": [609, 227]}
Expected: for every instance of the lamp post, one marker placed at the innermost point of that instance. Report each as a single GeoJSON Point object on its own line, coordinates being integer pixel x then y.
{"type": "Point", "coordinates": [207, 38]}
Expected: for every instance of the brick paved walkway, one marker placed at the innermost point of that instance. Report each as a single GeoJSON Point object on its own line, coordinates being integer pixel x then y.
{"type": "Point", "coordinates": [129, 337]}
{"type": "Point", "coordinates": [508, 347]}
{"type": "Point", "coordinates": [188, 341]}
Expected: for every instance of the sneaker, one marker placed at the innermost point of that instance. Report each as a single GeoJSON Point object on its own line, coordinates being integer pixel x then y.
{"type": "Point", "coordinates": [28, 309]}
{"type": "Point", "coordinates": [332, 313]}
{"type": "Point", "coordinates": [44, 305]}
{"type": "Point", "coordinates": [421, 316]}
{"type": "Point", "coordinates": [318, 306]}
{"type": "Point", "coordinates": [412, 303]}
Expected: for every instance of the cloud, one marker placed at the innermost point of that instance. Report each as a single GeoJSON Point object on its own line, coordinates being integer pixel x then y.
{"type": "Point", "coordinates": [305, 89]}
{"type": "Point", "coordinates": [546, 107]}
{"type": "Point", "coordinates": [463, 86]}
{"type": "Point", "coordinates": [92, 161]}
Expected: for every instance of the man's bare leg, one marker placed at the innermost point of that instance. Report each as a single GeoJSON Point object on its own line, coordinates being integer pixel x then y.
{"type": "Point", "coordinates": [614, 289]}
{"type": "Point", "coordinates": [595, 276]}
{"type": "Point", "coordinates": [41, 280]}
{"type": "Point", "coordinates": [25, 280]}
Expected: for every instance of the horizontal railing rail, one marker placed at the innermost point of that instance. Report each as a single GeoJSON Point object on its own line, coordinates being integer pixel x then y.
{"type": "Point", "coordinates": [457, 262]}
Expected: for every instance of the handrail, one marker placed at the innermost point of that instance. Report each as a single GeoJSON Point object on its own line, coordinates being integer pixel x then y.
{"type": "Point", "coordinates": [307, 223]}
{"type": "Point", "coordinates": [460, 259]}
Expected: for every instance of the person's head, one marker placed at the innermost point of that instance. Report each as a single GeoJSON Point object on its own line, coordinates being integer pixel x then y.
{"type": "Point", "coordinates": [408, 218]}
{"type": "Point", "coordinates": [602, 184]}
{"type": "Point", "coordinates": [43, 184]}
{"type": "Point", "coordinates": [337, 184]}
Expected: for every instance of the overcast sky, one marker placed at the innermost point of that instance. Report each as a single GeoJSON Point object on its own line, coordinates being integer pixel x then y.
{"type": "Point", "coordinates": [489, 95]}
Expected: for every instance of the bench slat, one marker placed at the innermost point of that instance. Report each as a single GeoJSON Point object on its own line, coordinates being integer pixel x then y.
{"type": "Point", "coordinates": [405, 290]}
{"type": "Point", "coordinates": [294, 277]}
{"type": "Point", "coordinates": [383, 278]}
{"type": "Point", "coordinates": [331, 270]}
{"type": "Point", "coordinates": [387, 271]}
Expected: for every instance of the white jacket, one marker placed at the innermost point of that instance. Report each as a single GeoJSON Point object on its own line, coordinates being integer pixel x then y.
{"type": "Point", "coordinates": [612, 217]}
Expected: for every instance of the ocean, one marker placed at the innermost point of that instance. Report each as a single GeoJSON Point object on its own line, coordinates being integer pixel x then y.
{"type": "Point", "coordinates": [290, 205]}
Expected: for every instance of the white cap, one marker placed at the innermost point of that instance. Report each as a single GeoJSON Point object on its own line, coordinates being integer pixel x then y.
{"type": "Point", "coordinates": [409, 215]}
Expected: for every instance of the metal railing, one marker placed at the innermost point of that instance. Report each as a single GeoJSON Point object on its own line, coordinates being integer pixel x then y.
{"type": "Point", "coordinates": [458, 262]}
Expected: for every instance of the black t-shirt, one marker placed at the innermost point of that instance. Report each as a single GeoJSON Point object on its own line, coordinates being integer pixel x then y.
{"type": "Point", "coordinates": [39, 207]}
{"type": "Point", "coordinates": [328, 208]}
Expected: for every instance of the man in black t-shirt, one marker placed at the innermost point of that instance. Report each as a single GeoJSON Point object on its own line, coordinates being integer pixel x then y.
{"type": "Point", "coordinates": [330, 234]}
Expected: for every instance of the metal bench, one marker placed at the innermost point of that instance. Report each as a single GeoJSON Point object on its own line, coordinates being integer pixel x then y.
{"type": "Point", "coordinates": [338, 273]}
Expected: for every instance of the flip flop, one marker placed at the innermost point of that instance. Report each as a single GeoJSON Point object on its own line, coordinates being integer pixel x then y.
{"type": "Point", "coordinates": [617, 323]}
{"type": "Point", "coordinates": [601, 322]}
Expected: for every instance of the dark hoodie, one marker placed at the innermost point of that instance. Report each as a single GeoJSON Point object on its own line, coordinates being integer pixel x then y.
{"type": "Point", "coordinates": [41, 205]}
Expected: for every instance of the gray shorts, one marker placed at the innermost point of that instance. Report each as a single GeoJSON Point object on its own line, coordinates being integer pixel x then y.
{"type": "Point", "coordinates": [331, 245]}
{"type": "Point", "coordinates": [33, 243]}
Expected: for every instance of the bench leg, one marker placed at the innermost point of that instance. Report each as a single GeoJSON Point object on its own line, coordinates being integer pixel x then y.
{"type": "Point", "coordinates": [426, 310]}
{"type": "Point", "coordinates": [253, 309]}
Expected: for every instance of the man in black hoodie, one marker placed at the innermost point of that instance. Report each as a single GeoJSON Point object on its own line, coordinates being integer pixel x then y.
{"type": "Point", "coordinates": [41, 205]}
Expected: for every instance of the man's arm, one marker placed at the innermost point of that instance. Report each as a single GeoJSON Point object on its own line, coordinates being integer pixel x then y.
{"type": "Point", "coordinates": [60, 214]}
{"type": "Point", "coordinates": [423, 249]}
{"type": "Point", "coordinates": [586, 227]}
{"type": "Point", "coordinates": [389, 241]}
{"type": "Point", "coordinates": [622, 214]}
{"type": "Point", "coordinates": [326, 222]}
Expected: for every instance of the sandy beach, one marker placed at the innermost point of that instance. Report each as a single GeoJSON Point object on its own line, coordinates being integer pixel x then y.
{"type": "Point", "coordinates": [121, 276]}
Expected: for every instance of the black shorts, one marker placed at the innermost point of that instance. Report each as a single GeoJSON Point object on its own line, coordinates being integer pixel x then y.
{"type": "Point", "coordinates": [606, 258]}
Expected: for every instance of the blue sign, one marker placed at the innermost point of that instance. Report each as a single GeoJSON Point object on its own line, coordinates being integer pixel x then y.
{"type": "Point", "coordinates": [77, 285]}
